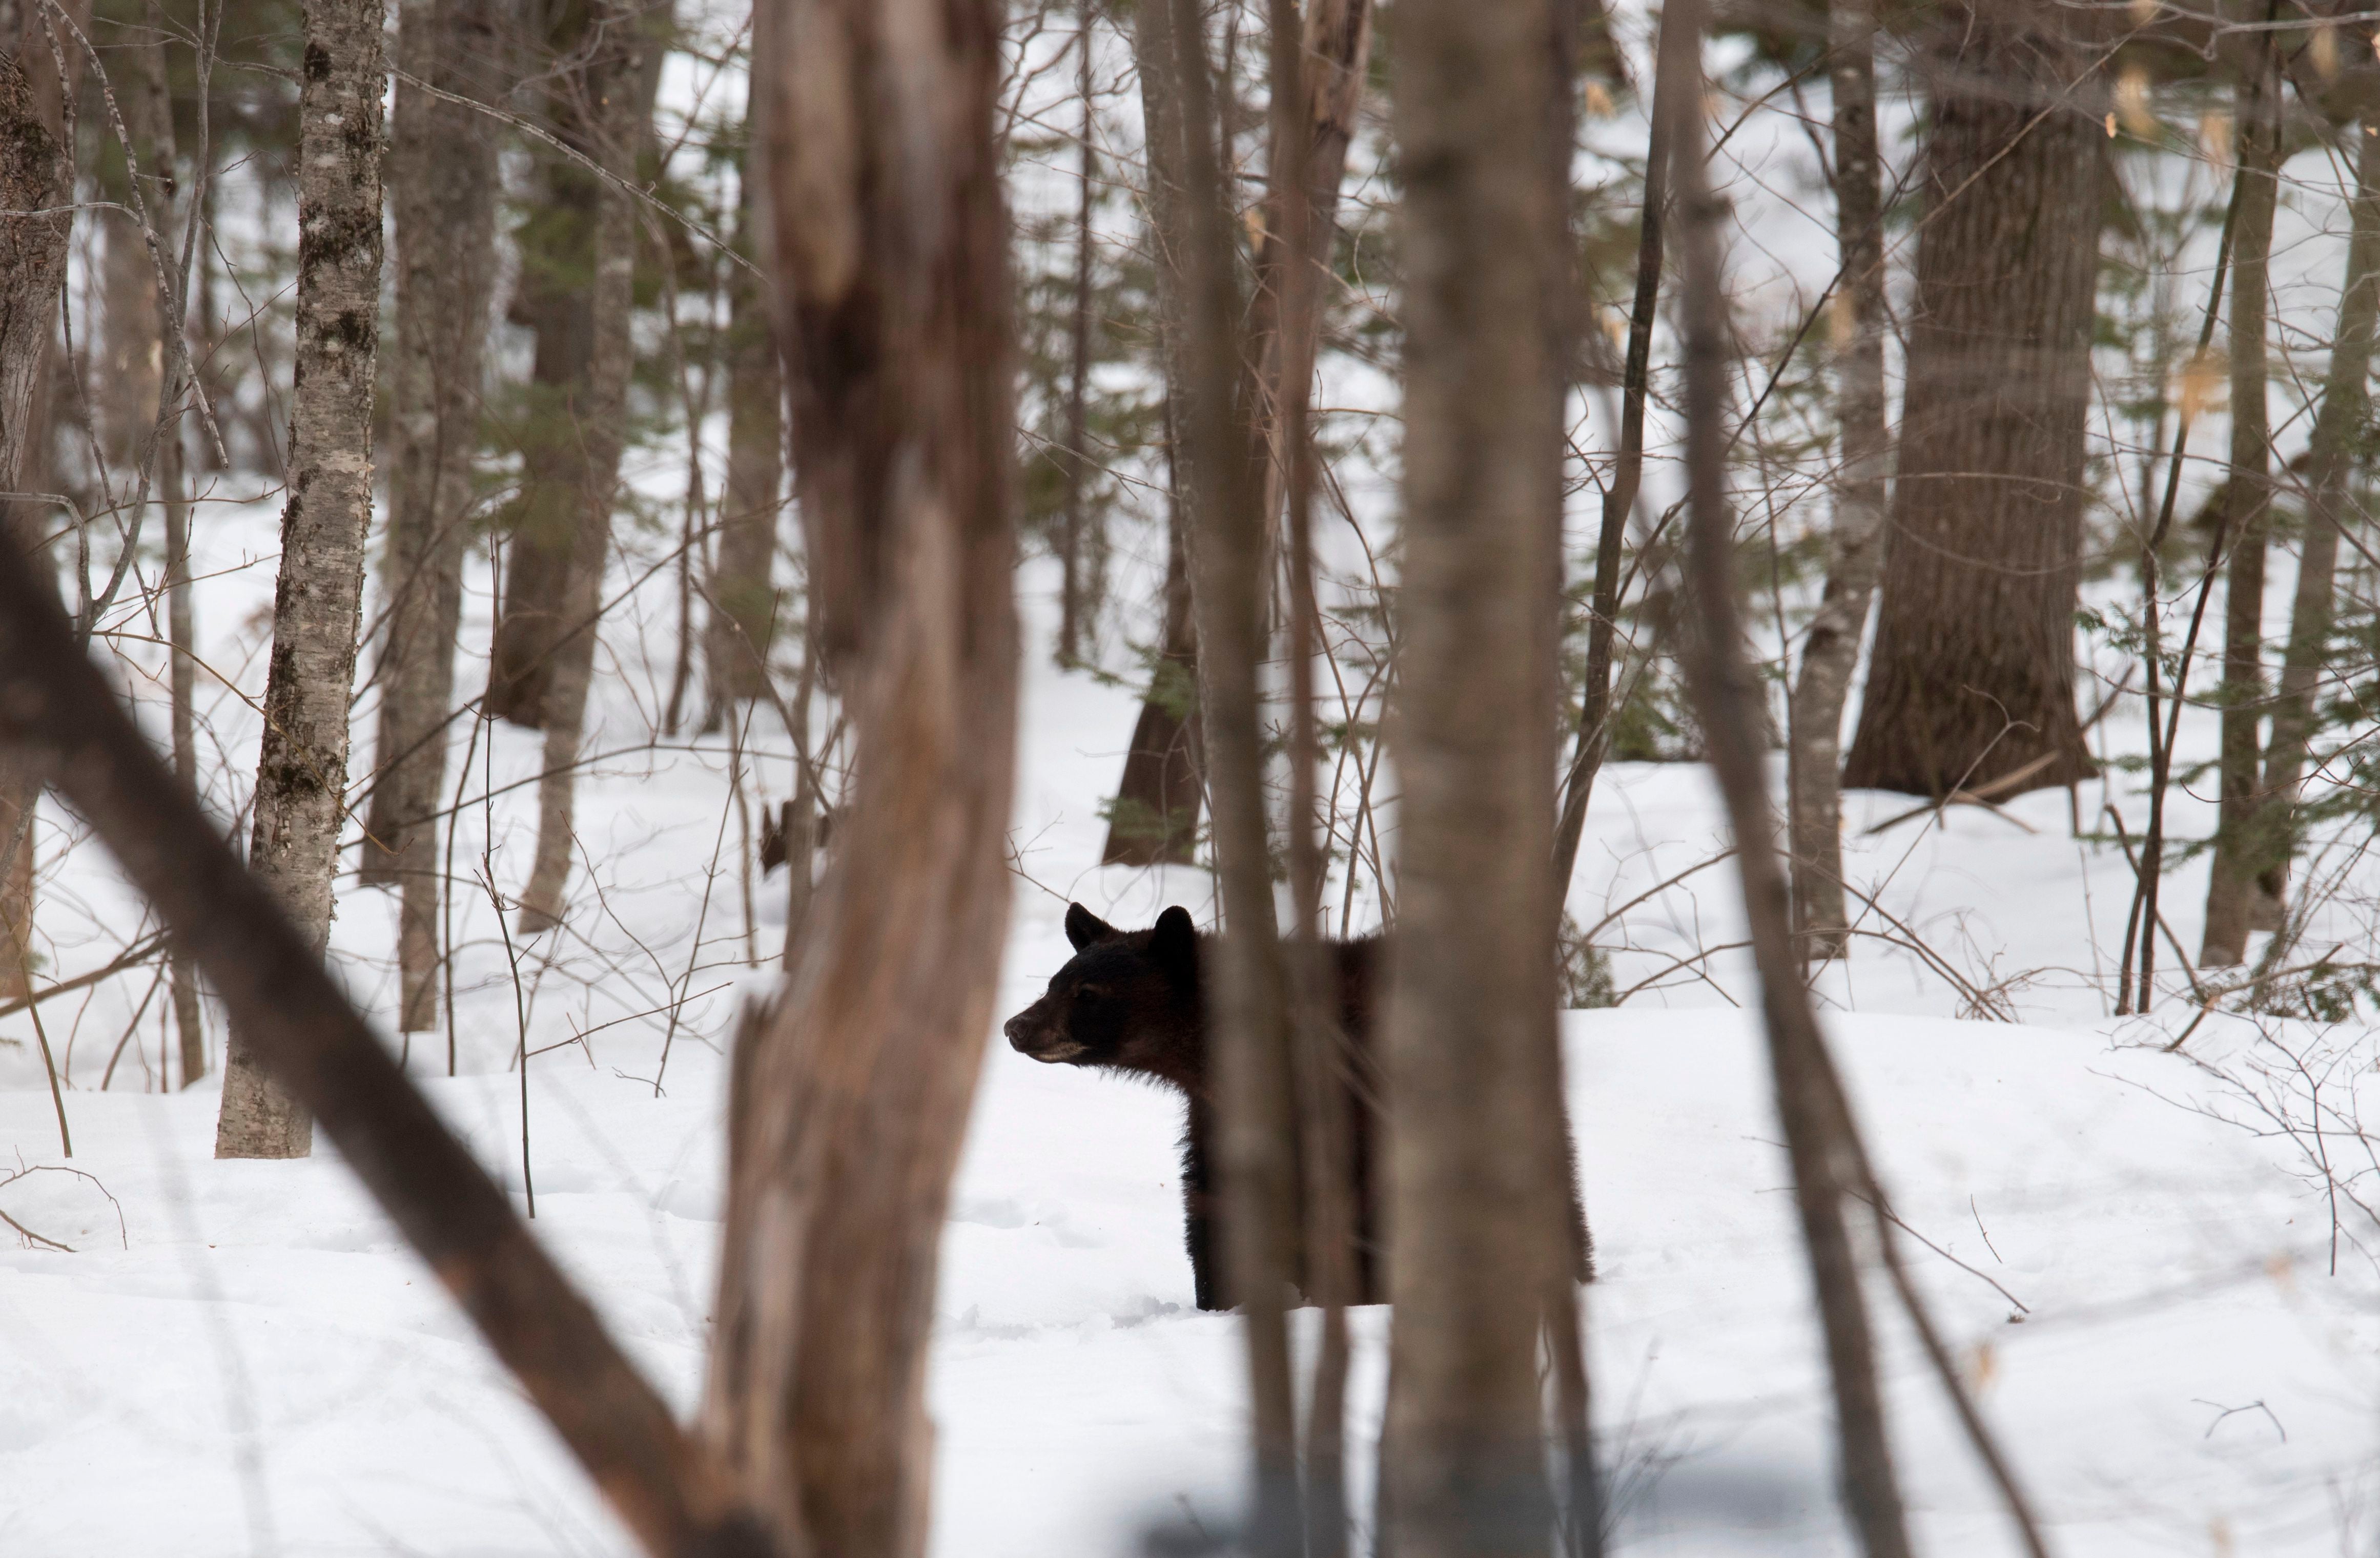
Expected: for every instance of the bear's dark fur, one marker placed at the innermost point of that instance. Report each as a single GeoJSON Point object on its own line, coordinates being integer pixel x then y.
{"type": "Point", "coordinates": [1132, 1001]}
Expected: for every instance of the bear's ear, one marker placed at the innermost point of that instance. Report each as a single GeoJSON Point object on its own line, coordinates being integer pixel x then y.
{"type": "Point", "coordinates": [1175, 945]}
{"type": "Point", "coordinates": [1083, 927]}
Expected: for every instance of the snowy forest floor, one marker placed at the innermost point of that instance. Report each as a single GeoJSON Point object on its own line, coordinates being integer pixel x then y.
{"type": "Point", "coordinates": [2166, 1303]}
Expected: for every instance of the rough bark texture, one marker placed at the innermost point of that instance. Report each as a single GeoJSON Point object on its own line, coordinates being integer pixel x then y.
{"type": "Point", "coordinates": [1973, 676]}
{"type": "Point", "coordinates": [743, 601]}
{"type": "Point", "coordinates": [2236, 902]}
{"type": "Point", "coordinates": [1821, 1140]}
{"type": "Point", "coordinates": [1246, 985]}
{"type": "Point", "coordinates": [2332, 451]}
{"type": "Point", "coordinates": [35, 175]}
{"type": "Point", "coordinates": [301, 775]}
{"type": "Point", "coordinates": [883, 215]}
{"type": "Point", "coordinates": [443, 157]}
{"type": "Point", "coordinates": [270, 973]}
{"type": "Point", "coordinates": [1855, 545]}
{"type": "Point", "coordinates": [1155, 818]}
{"type": "Point", "coordinates": [618, 79]}
{"type": "Point", "coordinates": [1478, 1227]}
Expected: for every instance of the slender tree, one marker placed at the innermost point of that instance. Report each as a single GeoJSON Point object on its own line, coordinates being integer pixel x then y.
{"type": "Point", "coordinates": [1855, 543]}
{"type": "Point", "coordinates": [302, 775]}
{"type": "Point", "coordinates": [1972, 675]}
{"type": "Point", "coordinates": [2236, 899]}
{"type": "Point", "coordinates": [454, 54]}
{"type": "Point", "coordinates": [1477, 1226]}
{"type": "Point", "coordinates": [743, 599]}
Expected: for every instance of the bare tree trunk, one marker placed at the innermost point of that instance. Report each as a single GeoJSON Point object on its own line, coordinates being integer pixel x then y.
{"type": "Point", "coordinates": [744, 601]}
{"type": "Point", "coordinates": [1478, 1225]}
{"type": "Point", "coordinates": [1855, 545]}
{"type": "Point", "coordinates": [36, 175]}
{"type": "Point", "coordinates": [1820, 1141]}
{"type": "Point", "coordinates": [1154, 817]}
{"type": "Point", "coordinates": [2236, 902]}
{"type": "Point", "coordinates": [882, 182]}
{"type": "Point", "coordinates": [2332, 451]}
{"type": "Point", "coordinates": [302, 773]}
{"type": "Point", "coordinates": [444, 181]}
{"type": "Point", "coordinates": [1972, 675]}
{"type": "Point", "coordinates": [616, 79]}
{"type": "Point", "coordinates": [1078, 378]}
{"type": "Point", "coordinates": [1248, 997]}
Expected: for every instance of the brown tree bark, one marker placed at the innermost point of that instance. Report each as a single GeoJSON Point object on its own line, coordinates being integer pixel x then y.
{"type": "Point", "coordinates": [1972, 675]}
{"type": "Point", "coordinates": [883, 215]}
{"type": "Point", "coordinates": [1246, 983]}
{"type": "Point", "coordinates": [619, 82]}
{"type": "Point", "coordinates": [744, 601]}
{"type": "Point", "coordinates": [1154, 819]}
{"type": "Point", "coordinates": [2332, 451]}
{"type": "Point", "coordinates": [2236, 900]}
{"type": "Point", "coordinates": [1071, 561]}
{"type": "Point", "coordinates": [1821, 1142]}
{"type": "Point", "coordinates": [1855, 544]}
{"type": "Point", "coordinates": [1479, 1233]}
{"type": "Point", "coordinates": [302, 772]}
{"type": "Point", "coordinates": [443, 158]}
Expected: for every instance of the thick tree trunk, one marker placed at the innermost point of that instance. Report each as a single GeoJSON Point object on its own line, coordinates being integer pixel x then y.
{"type": "Point", "coordinates": [882, 184]}
{"type": "Point", "coordinates": [2330, 469]}
{"type": "Point", "coordinates": [443, 157]}
{"type": "Point", "coordinates": [1154, 819]}
{"type": "Point", "coordinates": [1855, 546]}
{"type": "Point", "coordinates": [302, 773]}
{"type": "Point", "coordinates": [1479, 1223]}
{"type": "Point", "coordinates": [1973, 677]}
{"type": "Point", "coordinates": [744, 601]}
{"type": "Point", "coordinates": [1821, 1141]}
{"type": "Point", "coordinates": [1246, 985]}
{"type": "Point", "coordinates": [2236, 900]}
{"type": "Point", "coordinates": [618, 79]}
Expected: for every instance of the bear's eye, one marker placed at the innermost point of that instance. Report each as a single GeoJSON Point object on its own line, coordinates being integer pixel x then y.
{"type": "Point", "coordinates": [1092, 993]}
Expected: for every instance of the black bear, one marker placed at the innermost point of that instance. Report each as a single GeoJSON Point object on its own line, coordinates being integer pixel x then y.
{"type": "Point", "coordinates": [1132, 1001]}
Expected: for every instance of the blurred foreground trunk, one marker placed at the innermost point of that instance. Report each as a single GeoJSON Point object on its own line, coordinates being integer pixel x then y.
{"type": "Point", "coordinates": [1477, 1209]}
{"type": "Point", "coordinates": [881, 200]}
{"type": "Point", "coordinates": [301, 777]}
{"type": "Point", "coordinates": [1972, 675]}
{"type": "Point", "coordinates": [443, 162]}
{"type": "Point", "coordinates": [618, 80]}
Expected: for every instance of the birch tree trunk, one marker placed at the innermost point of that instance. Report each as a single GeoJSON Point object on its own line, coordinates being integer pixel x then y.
{"type": "Point", "coordinates": [302, 773]}
{"type": "Point", "coordinates": [1479, 1229]}
{"type": "Point", "coordinates": [1855, 546]}
{"type": "Point", "coordinates": [444, 182]}
{"type": "Point", "coordinates": [2236, 903]}
{"type": "Point", "coordinates": [616, 81]}
{"type": "Point", "coordinates": [881, 180]}
{"type": "Point", "coordinates": [2332, 451]}
{"type": "Point", "coordinates": [744, 601]}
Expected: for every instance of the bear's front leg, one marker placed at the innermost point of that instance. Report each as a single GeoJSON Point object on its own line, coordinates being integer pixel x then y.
{"type": "Point", "coordinates": [1200, 1230]}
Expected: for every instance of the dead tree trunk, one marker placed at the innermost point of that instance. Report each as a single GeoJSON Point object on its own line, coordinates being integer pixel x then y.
{"type": "Point", "coordinates": [1973, 676]}
{"type": "Point", "coordinates": [445, 178]}
{"type": "Point", "coordinates": [302, 774]}
{"type": "Point", "coordinates": [1154, 819]}
{"type": "Point", "coordinates": [881, 193]}
{"type": "Point", "coordinates": [2330, 469]}
{"type": "Point", "coordinates": [2236, 902]}
{"type": "Point", "coordinates": [1820, 1141]}
{"type": "Point", "coordinates": [1855, 545]}
{"type": "Point", "coordinates": [1478, 1219]}
{"type": "Point", "coordinates": [744, 601]}
{"type": "Point", "coordinates": [618, 81]}
{"type": "Point", "coordinates": [1246, 985]}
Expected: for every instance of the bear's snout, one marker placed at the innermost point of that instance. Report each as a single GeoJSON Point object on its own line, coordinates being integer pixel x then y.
{"type": "Point", "coordinates": [1030, 1032]}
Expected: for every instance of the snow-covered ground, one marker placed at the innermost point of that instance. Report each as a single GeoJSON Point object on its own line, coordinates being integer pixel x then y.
{"type": "Point", "coordinates": [2135, 1264]}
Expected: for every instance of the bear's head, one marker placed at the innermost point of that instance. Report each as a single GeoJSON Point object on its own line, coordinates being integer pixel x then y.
{"type": "Point", "coordinates": [1127, 1000]}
